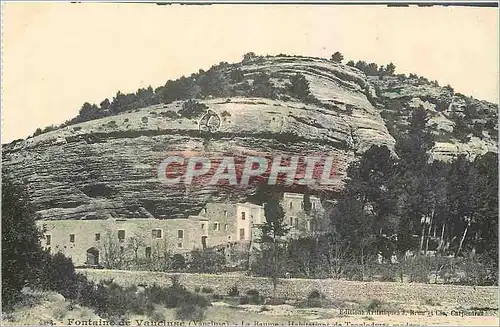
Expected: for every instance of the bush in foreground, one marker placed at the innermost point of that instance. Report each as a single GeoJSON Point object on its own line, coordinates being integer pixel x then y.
{"type": "Point", "coordinates": [192, 109]}
{"type": "Point", "coordinates": [190, 311]}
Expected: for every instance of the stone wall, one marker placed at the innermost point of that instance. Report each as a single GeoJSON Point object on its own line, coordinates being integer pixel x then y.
{"type": "Point", "coordinates": [414, 293]}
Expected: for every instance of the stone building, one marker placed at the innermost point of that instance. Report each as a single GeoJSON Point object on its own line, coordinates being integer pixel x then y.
{"type": "Point", "coordinates": [88, 242]}
{"type": "Point", "coordinates": [223, 226]}
{"type": "Point", "coordinates": [295, 216]}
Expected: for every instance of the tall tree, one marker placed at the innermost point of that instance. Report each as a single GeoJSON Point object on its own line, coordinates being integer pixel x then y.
{"type": "Point", "coordinates": [21, 250]}
{"type": "Point", "coordinates": [460, 196]}
{"type": "Point", "coordinates": [413, 146]}
{"type": "Point", "coordinates": [272, 233]}
{"type": "Point", "coordinates": [486, 203]}
{"type": "Point", "coordinates": [363, 220]}
{"type": "Point", "coordinates": [352, 234]}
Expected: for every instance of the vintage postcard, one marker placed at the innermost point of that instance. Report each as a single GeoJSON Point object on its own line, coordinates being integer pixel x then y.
{"type": "Point", "coordinates": [224, 164]}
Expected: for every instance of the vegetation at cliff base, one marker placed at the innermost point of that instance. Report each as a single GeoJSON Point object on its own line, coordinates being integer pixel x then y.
{"type": "Point", "coordinates": [26, 264]}
{"type": "Point", "coordinates": [405, 218]}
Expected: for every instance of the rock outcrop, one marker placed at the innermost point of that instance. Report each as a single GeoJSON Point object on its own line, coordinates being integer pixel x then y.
{"type": "Point", "coordinates": [108, 167]}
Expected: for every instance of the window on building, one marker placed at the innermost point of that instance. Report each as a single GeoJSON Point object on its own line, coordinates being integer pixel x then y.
{"type": "Point", "coordinates": [47, 239]}
{"type": "Point", "coordinates": [148, 252]}
{"type": "Point", "coordinates": [97, 236]}
{"type": "Point", "coordinates": [180, 233]}
{"type": "Point", "coordinates": [291, 221]}
{"type": "Point", "coordinates": [225, 227]}
{"type": "Point", "coordinates": [202, 226]}
{"type": "Point", "coordinates": [157, 233]}
{"type": "Point", "coordinates": [121, 235]}
{"type": "Point", "coordinates": [291, 204]}
{"type": "Point", "coordinates": [216, 226]}
{"type": "Point", "coordinates": [243, 215]}
{"type": "Point", "coordinates": [225, 213]}
{"type": "Point", "coordinates": [296, 222]}
{"type": "Point", "coordinates": [242, 233]}
{"type": "Point", "coordinates": [179, 245]}
{"type": "Point", "coordinates": [301, 204]}
{"type": "Point", "coordinates": [313, 205]}
{"type": "Point", "coordinates": [72, 238]}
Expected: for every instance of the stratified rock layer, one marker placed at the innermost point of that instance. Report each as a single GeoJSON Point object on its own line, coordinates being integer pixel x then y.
{"type": "Point", "coordinates": [108, 167]}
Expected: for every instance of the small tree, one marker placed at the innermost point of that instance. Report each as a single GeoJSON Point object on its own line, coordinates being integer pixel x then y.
{"type": "Point", "coordinates": [114, 253]}
{"type": "Point", "coordinates": [192, 109]}
{"type": "Point", "coordinates": [134, 243]}
{"type": "Point", "coordinates": [178, 262]}
{"type": "Point", "coordinates": [249, 56]}
{"type": "Point", "coordinates": [361, 65]}
{"type": "Point", "coordinates": [162, 255]}
{"type": "Point", "coordinates": [351, 63]}
{"type": "Point", "coordinates": [371, 69]}
{"type": "Point", "coordinates": [262, 87]}
{"type": "Point", "coordinates": [207, 261]}
{"type": "Point", "coordinates": [237, 76]}
{"type": "Point", "coordinates": [38, 131]}
{"type": "Point", "coordinates": [337, 57]}
{"type": "Point", "coordinates": [299, 86]}
{"type": "Point", "coordinates": [390, 69]}
{"type": "Point", "coordinates": [272, 233]}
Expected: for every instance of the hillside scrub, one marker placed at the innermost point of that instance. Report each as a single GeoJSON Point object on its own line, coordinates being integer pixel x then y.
{"type": "Point", "coordinates": [192, 109]}
{"type": "Point", "coordinates": [25, 263]}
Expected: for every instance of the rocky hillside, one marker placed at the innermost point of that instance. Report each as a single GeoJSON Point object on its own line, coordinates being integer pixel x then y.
{"type": "Point", "coordinates": [106, 167]}
{"type": "Point", "coordinates": [460, 124]}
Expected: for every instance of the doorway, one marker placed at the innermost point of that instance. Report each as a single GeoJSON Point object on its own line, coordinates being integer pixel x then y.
{"type": "Point", "coordinates": [92, 257]}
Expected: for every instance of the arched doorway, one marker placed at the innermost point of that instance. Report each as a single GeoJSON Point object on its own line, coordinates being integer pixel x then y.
{"type": "Point", "coordinates": [92, 257]}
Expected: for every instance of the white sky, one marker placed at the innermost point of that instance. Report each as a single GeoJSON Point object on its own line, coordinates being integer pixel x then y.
{"type": "Point", "coordinates": [56, 56]}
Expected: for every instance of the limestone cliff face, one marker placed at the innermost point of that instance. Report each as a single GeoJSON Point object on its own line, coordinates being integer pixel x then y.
{"type": "Point", "coordinates": [107, 167]}
{"type": "Point", "coordinates": [398, 97]}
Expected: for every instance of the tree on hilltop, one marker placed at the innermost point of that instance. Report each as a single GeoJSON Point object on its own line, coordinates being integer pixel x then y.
{"type": "Point", "coordinates": [390, 69]}
{"type": "Point", "coordinates": [249, 56]}
{"type": "Point", "coordinates": [337, 57]}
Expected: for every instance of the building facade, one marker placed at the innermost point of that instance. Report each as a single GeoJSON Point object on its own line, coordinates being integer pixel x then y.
{"type": "Point", "coordinates": [296, 217]}
{"type": "Point", "coordinates": [218, 225]}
